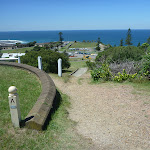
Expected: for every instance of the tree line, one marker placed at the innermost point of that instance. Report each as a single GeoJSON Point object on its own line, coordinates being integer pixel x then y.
{"type": "Point", "coordinates": [127, 41]}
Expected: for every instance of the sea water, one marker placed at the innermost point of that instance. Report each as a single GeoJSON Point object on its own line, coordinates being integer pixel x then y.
{"type": "Point", "coordinates": [112, 37]}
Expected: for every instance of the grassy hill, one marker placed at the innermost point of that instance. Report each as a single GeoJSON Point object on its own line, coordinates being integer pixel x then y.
{"type": "Point", "coordinates": [83, 45]}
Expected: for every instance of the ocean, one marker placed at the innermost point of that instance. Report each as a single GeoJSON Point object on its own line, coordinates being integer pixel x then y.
{"type": "Point", "coordinates": [112, 37]}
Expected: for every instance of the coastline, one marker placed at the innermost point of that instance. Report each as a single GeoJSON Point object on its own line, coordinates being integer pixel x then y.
{"type": "Point", "coordinates": [111, 37]}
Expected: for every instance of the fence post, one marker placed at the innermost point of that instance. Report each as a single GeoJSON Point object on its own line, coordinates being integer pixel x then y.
{"type": "Point", "coordinates": [60, 67]}
{"type": "Point", "coordinates": [40, 63]}
{"type": "Point", "coordinates": [19, 61]}
{"type": "Point", "coordinates": [14, 106]}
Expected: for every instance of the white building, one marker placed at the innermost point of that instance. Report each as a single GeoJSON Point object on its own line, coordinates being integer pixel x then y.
{"type": "Point", "coordinates": [12, 55]}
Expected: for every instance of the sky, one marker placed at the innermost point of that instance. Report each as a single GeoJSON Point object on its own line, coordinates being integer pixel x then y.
{"type": "Point", "coordinates": [34, 15]}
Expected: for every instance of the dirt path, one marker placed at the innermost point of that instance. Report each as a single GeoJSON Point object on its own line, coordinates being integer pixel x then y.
{"type": "Point", "coordinates": [110, 115]}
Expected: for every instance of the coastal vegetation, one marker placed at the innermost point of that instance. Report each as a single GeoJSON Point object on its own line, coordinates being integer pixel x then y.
{"type": "Point", "coordinates": [49, 59]}
{"type": "Point", "coordinates": [121, 42]}
{"type": "Point", "coordinates": [128, 38]}
{"type": "Point", "coordinates": [121, 63]}
{"type": "Point", "coordinates": [61, 37]}
{"type": "Point", "coordinates": [98, 44]}
{"type": "Point", "coordinates": [120, 53]}
{"type": "Point", "coordinates": [30, 44]}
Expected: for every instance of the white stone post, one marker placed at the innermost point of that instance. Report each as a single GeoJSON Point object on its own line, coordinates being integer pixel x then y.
{"type": "Point", "coordinates": [40, 63]}
{"type": "Point", "coordinates": [60, 67]}
{"type": "Point", "coordinates": [14, 106]}
{"type": "Point", "coordinates": [19, 61]}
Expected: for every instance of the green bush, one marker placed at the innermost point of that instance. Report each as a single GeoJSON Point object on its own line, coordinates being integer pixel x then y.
{"type": "Point", "coordinates": [49, 60]}
{"type": "Point", "coordinates": [91, 65]}
{"type": "Point", "coordinates": [124, 76]}
{"type": "Point", "coordinates": [102, 73]}
{"type": "Point", "coordinates": [146, 64]}
{"type": "Point", "coordinates": [120, 54]}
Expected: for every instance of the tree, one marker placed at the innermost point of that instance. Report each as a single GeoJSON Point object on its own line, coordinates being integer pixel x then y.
{"type": "Point", "coordinates": [0, 52]}
{"type": "Point", "coordinates": [148, 40]}
{"type": "Point", "coordinates": [145, 46]}
{"type": "Point", "coordinates": [139, 44]}
{"type": "Point", "coordinates": [121, 42]}
{"type": "Point", "coordinates": [128, 38]}
{"type": "Point", "coordinates": [98, 43]}
{"type": "Point", "coordinates": [36, 48]}
{"type": "Point", "coordinates": [49, 59]}
{"type": "Point", "coordinates": [51, 46]}
{"type": "Point", "coordinates": [18, 44]}
{"type": "Point", "coordinates": [31, 44]}
{"type": "Point", "coordinates": [60, 37]}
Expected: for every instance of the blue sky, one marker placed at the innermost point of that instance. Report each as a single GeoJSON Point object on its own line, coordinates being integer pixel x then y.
{"type": "Point", "coordinates": [30, 15]}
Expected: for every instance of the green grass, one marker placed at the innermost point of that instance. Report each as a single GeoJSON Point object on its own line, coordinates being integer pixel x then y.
{"type": "Point", "coordinates": [66, 72]}
{"type": "Point", "coordinates": [28, 87]}
{"type": "Point", "coordinates": [19, 50]}
{"type": "Point", "coordinates": [141, 88]}
{"type": "Point", "coordinates": [77, 64]}
{"type": "Point", "coordinates": [29, 90]}
{"type": "Point", "coordinates": [84, 45]}
{"type": "Point", "coordinates": [59, 134]}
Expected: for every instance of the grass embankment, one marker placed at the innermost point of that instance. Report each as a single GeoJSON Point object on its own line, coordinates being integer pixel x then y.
{"type": "Point", "coordinates": [83, 45]}
{"type": "Point", "coordinates": [19, 50]}
{"type": "Point", "coordinates": [59, 133]}
{"type": "Point", "coordinates": [141, 88]}
{"type": "Point", "coordinates": [77, 64]}
{"type": "Point", "coordinates": [28, 87]}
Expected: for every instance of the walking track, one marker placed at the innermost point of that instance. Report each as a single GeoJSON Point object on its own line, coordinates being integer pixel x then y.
{"type": "Point", "coordinates": [108, 114]}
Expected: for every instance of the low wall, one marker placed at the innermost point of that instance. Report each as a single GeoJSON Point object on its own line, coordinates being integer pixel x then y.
{"type": "Point", "coordinates": [38, 114]}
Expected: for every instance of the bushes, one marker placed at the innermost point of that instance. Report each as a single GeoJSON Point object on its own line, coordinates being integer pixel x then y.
{"type": "Point", "coordinates": [146, 64]}
{"type": "Point", "coordinates": [123, 63]}
{"type": "Point", "coordinates": [104, 73]}
{"type": "Point", "coordinates": [124, 76]}
{"type": "Point", "coordinates": [101, 73]}
{"type": "Point", "coordinates": [120, 54]}
{"type": "Point", "coordinates": [49, 59]}
{"type": "Point", "coordinates": [131, 67]}
{"type": "Point", "coordinates": [91, 65]}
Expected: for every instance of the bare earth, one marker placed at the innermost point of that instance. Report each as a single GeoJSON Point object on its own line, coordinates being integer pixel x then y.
{"type": "Point", "coordinates": [110, 115]}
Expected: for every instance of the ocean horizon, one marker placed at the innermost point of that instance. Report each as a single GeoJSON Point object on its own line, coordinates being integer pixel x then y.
{"type": "Point", "coordinates": [112, 37]}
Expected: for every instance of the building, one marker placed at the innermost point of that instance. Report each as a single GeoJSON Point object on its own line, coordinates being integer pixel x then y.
{"type": "Point", "coordinates": [7, 46]}
{"type": "Point", "coordinates": [12, 55]}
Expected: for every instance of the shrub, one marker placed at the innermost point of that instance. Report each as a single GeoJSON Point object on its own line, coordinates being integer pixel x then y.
{"type": "Point", "coordinates": [124, 76]}
{"type": "Point", "coordinates": [120, 54]}
{"type": "Point", "coordinates": [49, 60]}
{"type": "Point", "coordinates": [146, 64]}
{"type": "Point", "coordinates": [131, 67]}
{"type": "Point", "coordinates": [91, 65]}
{"type": "Point", "coordinates": [102, 73]}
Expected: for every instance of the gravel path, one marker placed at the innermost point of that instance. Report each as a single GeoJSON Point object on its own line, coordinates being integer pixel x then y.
{"type": "Point", "coordinates": [110, 115]}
